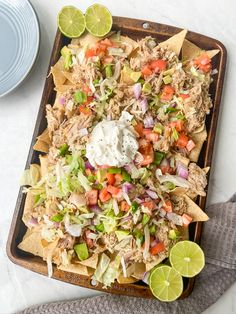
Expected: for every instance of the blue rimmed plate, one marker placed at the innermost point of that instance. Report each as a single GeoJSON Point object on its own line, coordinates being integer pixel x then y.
{"type": "Point", "coordinates": [19, 42]}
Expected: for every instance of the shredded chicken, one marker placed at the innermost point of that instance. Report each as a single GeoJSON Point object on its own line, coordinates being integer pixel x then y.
{"type": "Point", "coordinates": [197, 179]}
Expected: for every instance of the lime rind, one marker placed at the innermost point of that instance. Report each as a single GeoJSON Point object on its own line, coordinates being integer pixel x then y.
{"type": "Point", "coordinates": [187, 258]}
{"type": "Point", "coordinates": [71, 21]}
{"type": "Point", "coordinates": [98, 20]}
{"type": "Point", "coordinates": [165, 283]}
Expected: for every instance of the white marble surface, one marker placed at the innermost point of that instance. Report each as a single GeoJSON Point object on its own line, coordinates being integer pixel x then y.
{"type": "Point", "coordinates": [20, 288]}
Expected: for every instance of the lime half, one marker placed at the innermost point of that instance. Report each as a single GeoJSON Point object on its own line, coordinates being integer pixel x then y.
{"type": "Point", "coordinates": [187, 258]}
{"type": "Point", "coordinates": [166, 283]}
{"type": "Point", "coordinates": [71, 21]}
{"type": "Point", "coordinates": [98, 20]}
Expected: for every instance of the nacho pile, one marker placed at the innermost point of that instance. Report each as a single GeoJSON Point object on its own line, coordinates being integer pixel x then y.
{"type": "Point", "coordinates": [118, 179]}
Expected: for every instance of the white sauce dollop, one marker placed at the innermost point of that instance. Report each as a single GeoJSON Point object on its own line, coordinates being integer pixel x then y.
{"type": "Point", "coordinates": [112, 143]}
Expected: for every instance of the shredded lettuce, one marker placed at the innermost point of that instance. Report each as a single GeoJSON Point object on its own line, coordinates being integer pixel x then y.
{"type": "Point", "coordinates": [31, 176]}
{"type": "Point", "coordinates": [112, 272]}
{"type": "Point", "coordinates": [101, 267]}
{"type": "Point", "coordinates": [84, 181]}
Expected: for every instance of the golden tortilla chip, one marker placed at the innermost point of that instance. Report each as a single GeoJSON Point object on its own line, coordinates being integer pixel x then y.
{"type": "Point", "coordinates": [194, 210]}
{"type": "Point", "coordinates": [44, 164]}
{"type": "Point", "coordinates": [63, 88]}
{"type": "Point", "coordinates": [130, 44]}
{"type": "Point", "coordinates": [76, 268]}
{"type": "Point", "coordinates": [41, 146]}
{"type": "Point", "coordinates": [124, 280]}
{"type": "Point", "coordinates": [90, 262]}
{"type": "Point", "coordinates": [175, 42]}
{"type": "Point", "coordinates": [191, 51]}
{"type": "Point", "coordinates": [158, 260]}
{"type": "Point", "coordinates": [45, 137]}
{"type": "Point", "coordinates": [199, 139]}
{"type": "Point", "coordinates": [139, 270]}
{"type": "Point", "coordinates": [57, 73]}
{"type": "Point", "coordinates": [178, 191]}
{"type": "Point", "coordinates": [31, 243]}
{"type": "Point", "coordinates": [29, 205]}
{"type": "Point", "coordinates": [69, 76]}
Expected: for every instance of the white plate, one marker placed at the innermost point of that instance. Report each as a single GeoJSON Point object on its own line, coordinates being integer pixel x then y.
{"type": "Point", "coordinates": [19, 42]}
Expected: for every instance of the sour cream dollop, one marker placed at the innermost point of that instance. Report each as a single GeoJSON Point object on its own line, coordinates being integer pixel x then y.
{"type": "Point", "coordinates": [112, 143]}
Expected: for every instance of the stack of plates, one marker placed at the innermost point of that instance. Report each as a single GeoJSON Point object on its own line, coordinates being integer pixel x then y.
{"type": "Point", "coordinates": [19, 42]}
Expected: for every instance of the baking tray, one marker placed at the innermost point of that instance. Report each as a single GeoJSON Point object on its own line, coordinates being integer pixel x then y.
{"type": "Point", "coordinates": [135, 29]}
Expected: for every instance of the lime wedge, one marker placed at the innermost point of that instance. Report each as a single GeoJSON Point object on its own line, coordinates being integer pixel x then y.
{"type": "Point", "coordinates": [187, 258]}
{"type": "Point", "coordinates": [98, 20]}
{"type": "Point", "coordinates": [71, 22]}
{"type": "Point", "coordinates": [166, 283]}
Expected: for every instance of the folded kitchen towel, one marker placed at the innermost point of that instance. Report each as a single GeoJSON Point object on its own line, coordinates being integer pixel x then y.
{"type": "Point", "coordinates": [219, 245]}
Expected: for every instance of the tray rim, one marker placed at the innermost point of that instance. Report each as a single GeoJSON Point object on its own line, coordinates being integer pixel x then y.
{"type": "Point", "coordinates": [134, 25]}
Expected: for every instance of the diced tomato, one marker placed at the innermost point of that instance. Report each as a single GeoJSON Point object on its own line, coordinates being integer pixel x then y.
{"type": "Point", "coordinates": [186, 220]}
{"type": "Point", "coordinates": [151, 205]}
{"type": "Point", "coordinates": [178, 125]}
{"type": "Point", "coordinates": [203, 62]}
{"type": "Point", "coordinates": [118, 178]}
{"type": "Point", "coordinates": [86, 89]}
{"type": "Point", "coordinates": [90, 53]}
{"type": "Point", "coordinates": [89, 100]}
{"type": "Point", "coordinates": [159, 247]}
{"type": "Point", "coordinates": [85, 110]}
{"type": "Point", "coordinates": [124, 206]}
{"type": "Point", "coordinates": [146, 149]}
{"type": "Point", "coordinates": [182, 141]}
{"type": "Point", "coordinates": [190, 145]}
{"type": "Point", "coordinates": [150, 135]}
{"type": "Point", "coordinates": [167, 206]}
{"type": "Point", "coordinates": [111, 178]}
{"type": "Point", "coordinates": [104, 195]}
{"type": "Point", "coordinates": [158, 65]}
{"type": "Point", "coordinates": [88, 241]}
{"type": "Point", "coordinates": [139, 129]}
{"type": "Point", "coordinates": [184, 96]}
{"type": "Point", "coordinates": [167, 93]}
{"type": "Point", "coordinates": [92, 197]}
{"type": "Point", "coordinates": [115, 192]}
{"type": "Point", "coordinates": [146, 70]}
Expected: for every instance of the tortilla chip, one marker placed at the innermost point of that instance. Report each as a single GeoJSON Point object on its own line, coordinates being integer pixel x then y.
{"type": "Point", "coordinates": [199, 139]}
{"type": "Point", "coordinates": [75, 268]}
{"type": "Point", "coordinates": [159, 259]}
{"type": "Point", "coordinates": [44, 164]}
{"type": "Point", "coordinates": [63, 88]}
{"type": "Point", "coordinates": [130, 44]}
{"type": "Point", "coordinates": [31, 243]}
{"type": "Point", "coordinates": [44, 137]}
{"type": "Point", "coordinates": [124, 280]}
{"type": "Point", "coordinates": [200, 129]}
{"type": "Point", "coordinates": [175, 42]}
{"type": "Point", "coordinates": [69, 76]}
{"type": "Point", "coordinates": [191, 51]}
{"type": "Point", "coordinates": [87, 40]}
{"type": "Point", "coordinates": [29, 205]}
{"type": "Point", "coordinates": [90, 262]}
{"type": "Point", "coordinates": [194, 210]}
{"type": "Point", "coordinates": [41, 146]}
{"type": "Point", "coordinates": [57, 73]}
{"type": "Point", "coordinates": [139, 270]}
{"type": "Point", "coordinates": [178, 191]}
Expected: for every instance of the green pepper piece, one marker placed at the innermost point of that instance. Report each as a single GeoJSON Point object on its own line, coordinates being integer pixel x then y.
{"type": "Point", "coordinates": [100, 227]}
{"type": "Point", "coordinates": [126, 176]}
{"type": "Point", "coordinates": [158, 156]}
{"type": "Point", "coordinates": [145, 219]}
{"type": "Point", "coordinates": [134, 207]}
{"type": "Point", "coordinates": [152, 229]}
{"type": "Point", "coordinates": [81, 251]}
{"type": "Point", "coordinates": [114, 170]}
{"type": "Point", "coordinates": [80, 97]}
{"type": "Point", "coordinates": [57, 218]}
{"type": "Point", "coordinates": [108, 71]}
{"type": "Point", "coordinates": [63, 150]}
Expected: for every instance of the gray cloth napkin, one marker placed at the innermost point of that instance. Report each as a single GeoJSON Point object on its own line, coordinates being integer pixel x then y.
{"type": "Point", "coordinates": [219, 245]}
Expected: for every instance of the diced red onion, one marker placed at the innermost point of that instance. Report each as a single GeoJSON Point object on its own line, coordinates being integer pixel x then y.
{"type": "Point", "coordinates": [148, 122]}
{"type": "Point", "coordinates": [57, 224]}
{"type": "Point", "coordinates": [33, 221]}
{"type": "Point", "coordinates": [146, 277]}
{"type": "Point", "coordinates": [83, 132]}
{"type": "Point", "coordinates": [144, 105]}
{"type": "Point", "coordinates": [153, 243]}
{"type": "Point", "coordinates": [182, 171]}
{"type": "Point", "coordinates": [190, 145]}
{"type": "Point", "coordinates": [95, 209]}
{"type": "Point", "coordinates": [88, 165]}
{"type": "Point", "coordinates": [126, 187]}
{"type": "Point", "coordinates": [137, 89]}
{"type": "Point", "coordinates": [176, 219]}
{"type": "Point", "coordinates": [62, 100]}
{"type": "Point", "coordinates": [127, 168]}
{"type": "Point", "coordinates": [174, 105]}
{"type": "Point", "coordinates": [152, 194]}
